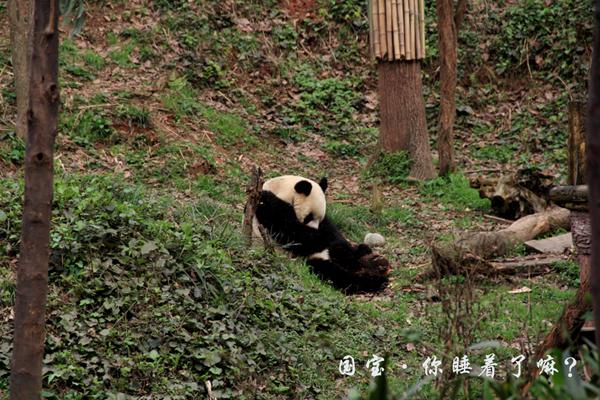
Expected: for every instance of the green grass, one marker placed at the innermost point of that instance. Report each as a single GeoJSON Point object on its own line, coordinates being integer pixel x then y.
{"type": "Point", "coordinates": [502, 153]}
{"type": "Point", "coordinates": [122, 55]}
{"type": "Point", "coordinates": [170, 288]}
{"type": "Point", "coordinates": [568, 272]}
{"type": "Point", "coordinates": [94, 60]}
{"type": "Point", "coordinates": [453, 191]}
{"type": "Point", "coordinates": [466, 222]}
{"type": "Point", "coordinates": [72, 61]}
{"type": "Point", "coordinates": [12, 148]}
{"type": "Point", "coordinates": [229, 128]}
{"type": "Point", "coordinates": [181, 99]}
{"type": "Point", "coordinates": [389, 168]}
{"type": "Point", "coordinates": [172, 163]}
{"type": "Point", "coordinates": [133, 115]}
{"type": "Point", "coordinates": [88, 126]}
{"type": "Point", "coordinates": [356, 221]}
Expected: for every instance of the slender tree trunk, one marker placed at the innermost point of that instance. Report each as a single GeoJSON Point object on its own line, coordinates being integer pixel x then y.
{"type": "Point", "coordinates": [576, 145]}
{"type": "Point", "coordinates": [447, 42]}
{"type": "Point", "coordinates": [403, 124]}
{"type": "Point", "coordinates": [577, 166]}
{"type": "Point", "coordinates": [32, 273]}
{"type": "Point", "coordinates": [459, 16]}
{"type": "Point", "coordinates": [593, 170]}
{"type": "Point", "coordinates": [19, 12]}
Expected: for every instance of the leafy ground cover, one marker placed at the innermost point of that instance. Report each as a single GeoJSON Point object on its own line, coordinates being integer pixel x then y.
{"type": "Point", "coordinates": [165, 107]}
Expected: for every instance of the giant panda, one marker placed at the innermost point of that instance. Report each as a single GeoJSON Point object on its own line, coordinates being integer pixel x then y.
{"type": "Point", "coordinates": [305, 196]}
{"type": "Point", "coordinates": [351, 268]}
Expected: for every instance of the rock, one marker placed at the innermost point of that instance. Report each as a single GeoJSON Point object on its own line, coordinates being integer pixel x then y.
{"type": "Point", "coordinates": [374, 240]}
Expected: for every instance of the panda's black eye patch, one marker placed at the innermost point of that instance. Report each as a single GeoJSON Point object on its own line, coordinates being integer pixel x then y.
{"type": "Point", "coordinates": [303, 187]}
{"type": "Point", "coordinates": [308, 218]}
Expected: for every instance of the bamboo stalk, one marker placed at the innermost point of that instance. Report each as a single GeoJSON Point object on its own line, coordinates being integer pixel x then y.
{"type": "Point", "coordinates": [400, 11]}
{"type": "Point", "coordinates": [412, 30]}
{"type": "Point", "coordinates": [413, 14]}
{"type": "Point", "coordinates": [417, 37]}
{"type": "Point", "coordinates": [370, 19]}
{"type": "Point", "coordinates": [389, 30]}
{"type": "Point", "coordinates": [395, 29]}
{"type": "Point", "coordinates": [422, 31]}
{"type": "Point", "coordinates": [407, 28]}
{"type": "Point", "coordinates": [416, 34]}
{"type": "Point", "coordinates": [381, 16]}
{"type": "Point", "coordinates": [374, 21]}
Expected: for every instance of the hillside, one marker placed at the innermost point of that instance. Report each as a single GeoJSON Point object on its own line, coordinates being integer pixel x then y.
{"type": "Point", "coordinates": [166, 106]}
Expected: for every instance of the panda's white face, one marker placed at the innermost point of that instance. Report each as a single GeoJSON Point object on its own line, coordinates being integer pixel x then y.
{"type": "Point", "coordinates": [306, 196]}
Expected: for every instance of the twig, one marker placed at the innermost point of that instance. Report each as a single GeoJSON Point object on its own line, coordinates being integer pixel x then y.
{"type": "Point", "coordinates": [253, 191]}
{"type": "Point", "coordinates": [479, 171]}
{"type": "Point", "coordinates": [503, 220]}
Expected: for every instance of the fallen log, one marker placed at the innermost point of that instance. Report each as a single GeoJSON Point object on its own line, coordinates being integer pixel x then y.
{"type": "Point", "coordinates": [529, 266]}
{"type": "Point", "coordinates": [569, 194]}
{"type": "Point", "coordinates": [468, 253]}
{"type": "Point", "coordinates": [516, 195]}
{"type": "Point", "coordinates": [472, 265]}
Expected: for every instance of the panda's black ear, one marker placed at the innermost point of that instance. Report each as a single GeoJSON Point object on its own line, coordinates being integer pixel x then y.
{"type": "Point", "coordinates": [303, 187]}
{"type": "Point", "coordinates": [323, 183]}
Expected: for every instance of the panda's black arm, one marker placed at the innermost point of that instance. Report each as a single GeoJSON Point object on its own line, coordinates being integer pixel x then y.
{"type": "Point", "coordinates": [339, 247]}
{"type": "Point", "coordinates": [345, 277]}
{"type": "Point", "coordinates": [279, 218]}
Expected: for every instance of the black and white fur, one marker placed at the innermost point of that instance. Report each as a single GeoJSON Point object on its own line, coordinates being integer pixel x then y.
{"type": "Point", "coordinates": [304, 196]}
{"type": "Point", "coordinates": [329, 254]}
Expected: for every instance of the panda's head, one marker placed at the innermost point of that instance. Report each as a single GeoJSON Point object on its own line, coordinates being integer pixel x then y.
{"type": "Point", "coordinates": [306, 196]}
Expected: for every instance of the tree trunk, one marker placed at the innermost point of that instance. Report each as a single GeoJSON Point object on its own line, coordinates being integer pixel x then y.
{"type": "Point", "coordinates": [593, 170]}
{"type": "Point", "coordinates": [19, 12]}
{"type": "Point", "coordinates": [447, 43]}
{"type": "Point", "coordinates": [459, 16]}
{"type": "Point", "coordinates": [32, 272]}
{"type": "Point", "coordinates": [403, 125]}
{"type": "Point", "coordinates": [576, 148]}
{"type": "Point", "coordinates": [569, 194]}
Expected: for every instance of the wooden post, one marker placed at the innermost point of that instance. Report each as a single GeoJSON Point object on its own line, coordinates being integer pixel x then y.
{"type": "Point", "coordinates": [32, 271]}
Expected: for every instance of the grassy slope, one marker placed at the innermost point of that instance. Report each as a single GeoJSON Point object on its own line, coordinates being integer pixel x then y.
{"type": "Point", "coordinates": [167, 105]}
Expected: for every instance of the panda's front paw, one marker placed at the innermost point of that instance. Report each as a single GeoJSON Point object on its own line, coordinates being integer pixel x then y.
{"type": "Point", "coordinates": [362, 250]}
{"type": "Point", "coordinates": [261, 206]}
{"type": "Point", "coordinates": [271, 210]}
{"type": "Point", "coordinates": [267, 197]}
